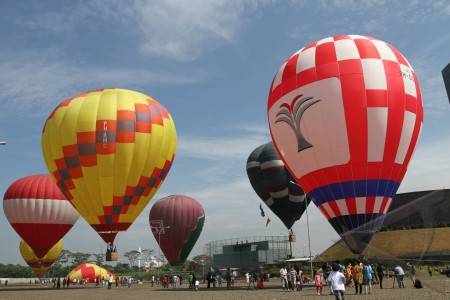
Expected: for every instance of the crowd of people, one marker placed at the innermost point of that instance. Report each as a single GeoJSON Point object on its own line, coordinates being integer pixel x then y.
{"type": "Point", "coordinates": [361, 275]}
{"type": "Point", "coordinates": [334, 277]}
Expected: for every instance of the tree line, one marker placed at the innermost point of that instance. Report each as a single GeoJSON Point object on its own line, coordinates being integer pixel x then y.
{"type": "Point", "coordinates": [69, 260]}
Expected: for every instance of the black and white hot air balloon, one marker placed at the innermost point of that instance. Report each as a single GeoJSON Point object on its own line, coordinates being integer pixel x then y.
{"type": "Point", "coordinates": [274, 185]}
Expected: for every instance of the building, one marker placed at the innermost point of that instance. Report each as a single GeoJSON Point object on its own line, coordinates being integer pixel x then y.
{"type": "Point", "coordinates": [249, 253]}
{"type": "Point", "coordinates": [416, 227]}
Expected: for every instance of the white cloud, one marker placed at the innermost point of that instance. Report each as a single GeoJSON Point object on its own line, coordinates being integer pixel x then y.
{"type": "Point", "coordinates": [219, 148]}
{"type": "Point", "coordinates": [37, 84]}
{"type": "Point", "coordinates": [429, 167]}
{"type": "Point", "coordinates": [353, 5]}
{"type": "Point", "coordinates": [428, 68]}
{"type": "Point", "coordinates": [175, 29]}
{"type": "Point", "coordinates": [410, 11]}
{"type": "Point", "coordinates": [371, 17]}
{"type": "Point", "coordinates": [184, 29]}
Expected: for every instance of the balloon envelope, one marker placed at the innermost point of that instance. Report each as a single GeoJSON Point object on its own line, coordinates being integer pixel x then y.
{"type": "Point", "coordinates": [176, 223]}
{"type": "Point", "coordinates": [345, 115]}
{"type": "Point", "coordinates": [274, 185]}
{"type": "Point", "coordinates": [88, 272]}
{"type": "Point", "coordinates": [109, 151]}
{"type": "Point", "coordinates": [38, 212]}
{"type": "Point", "coordinates": [40, 265]}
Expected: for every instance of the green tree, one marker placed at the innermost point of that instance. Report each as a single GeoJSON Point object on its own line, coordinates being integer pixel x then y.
{"type": "Point", "coordinates": [122, 269]}
{"type": "Point", "coordinates": [79, 258]}
{"type": "Point", "coordinates": [99, 258]}
{"type": "Point", "coordinates": [15, 271]}
{"type": "Point", "coordinates": [132, 256]}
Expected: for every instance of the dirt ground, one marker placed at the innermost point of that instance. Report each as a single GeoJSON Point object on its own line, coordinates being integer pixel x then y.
{"type": "Point", "coordinates": [435, 288]}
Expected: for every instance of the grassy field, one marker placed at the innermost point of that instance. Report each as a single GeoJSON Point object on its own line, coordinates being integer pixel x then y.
{"type": "Point", "coordinates": [436, 288]}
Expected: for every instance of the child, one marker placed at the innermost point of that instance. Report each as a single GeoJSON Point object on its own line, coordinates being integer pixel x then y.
{"type": "Point", "coordinates": [318, 282]}
{"type": "Point", "coordinates": [197, 283]}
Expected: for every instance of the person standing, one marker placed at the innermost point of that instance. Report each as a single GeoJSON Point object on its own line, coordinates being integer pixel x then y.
{"type": "Point", "coordinates": [283, 277]}
{"type": "Point", "coordinates": [260, 281]}
{"type": "Point", "coordinates": [349, 274]}
{"type": "Point", "coordinates": [194, 280]}
{"type": "Point", "coordinates": [337, 281]}
{"type": "Point", "coordinates": [228, 278]}
{"type": "Point", "coordinates": [110, 281]}
{"type": "Point", "coordinates": [400, 274]}
{"type": "Point", "coordinates": [190, 277]}
{"type": "Point", "coordinates": [299, 280]}
{"type": "Point", "coordinates": [197, 284]}
{"type": "Point", "coordinates": [326, 268]}
{"type": "Point", "coordinates": [358, 277]}
{"type": "Point", "coordinates": [292, 279]}
{"type": "Point", "coordinates": [318, 283]}
{"type": "Point", "coordinates": [380, 273]}
{"type": "Point", "coordinates": [367, 270]}
{"type": "Point", "coordinates": [208, 279]}
{"type": "Point", "coordinates": [412, 272]}
{"type": "Point", "coordinates": [375, 279]}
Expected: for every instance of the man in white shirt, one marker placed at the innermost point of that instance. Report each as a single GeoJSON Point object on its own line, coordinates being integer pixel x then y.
{"type": "Point", "coordinates": [283, 277]}
{"type": "Point", "coordinates": [400, 274]}
{"type": "Point", "coordinates": [337, 282]}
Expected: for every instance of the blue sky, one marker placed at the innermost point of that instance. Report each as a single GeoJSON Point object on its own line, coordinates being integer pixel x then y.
{"type": "Point", "coordinates": [210, 63]}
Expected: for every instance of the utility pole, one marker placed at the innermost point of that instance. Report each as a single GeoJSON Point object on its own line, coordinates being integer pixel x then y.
{"type": "Point", "coordinates": [157, 227]}
{"type": "Point", "coordinates": [309, 238]}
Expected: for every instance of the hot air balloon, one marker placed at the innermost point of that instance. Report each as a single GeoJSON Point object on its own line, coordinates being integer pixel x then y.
{"type": "Point", "coordinates": [275, 186]}
{"type": "Point", "coordinates": [109, 151]}
{"type": "Point", "coordinates": [345, 115]}
{"type": "Point", "coordinates": [40, 265]}
{"type": "Point", "coordinates": [176, 223]}
{"type": "Point", "coordinates": [88, 272]}
{"type": "Point", "coordinates": [38, 212]}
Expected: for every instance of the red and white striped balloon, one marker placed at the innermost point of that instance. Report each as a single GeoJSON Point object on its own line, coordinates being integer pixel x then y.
{"type": "Point", "coordinates": [345, 114]}
{"type": "Point", "coordinates": [38, 211]}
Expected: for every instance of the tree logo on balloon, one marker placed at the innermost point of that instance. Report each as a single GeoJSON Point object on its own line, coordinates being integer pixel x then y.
{"type": "Point", "coordinates": [292, 114]}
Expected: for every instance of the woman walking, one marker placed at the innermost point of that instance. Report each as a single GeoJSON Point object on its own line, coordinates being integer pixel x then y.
{"type": "Point", "coordinates": [367, 270]}
{"type": "Point", "coordinates": [349, 274]}
{"type": "Point", "coordinates": [358, 277]}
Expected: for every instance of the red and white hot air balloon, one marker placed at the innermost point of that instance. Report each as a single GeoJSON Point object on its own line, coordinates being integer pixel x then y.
{"type": "Point", "coordinates": [345, 114]}
{"type": "Point", "coordinates": [38, 212]}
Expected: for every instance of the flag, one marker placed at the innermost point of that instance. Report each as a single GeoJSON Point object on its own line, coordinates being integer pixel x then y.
{"type": "Point", "coordinates": [267, 222]}
{"type": "Point", "coordinates": [262, 211]}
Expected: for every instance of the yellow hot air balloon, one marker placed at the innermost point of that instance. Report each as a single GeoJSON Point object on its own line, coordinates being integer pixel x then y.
{"type": "Point", "coordinates": [109, 151]}
{"type": "Point", "coordinates": [88, 272]}
{"type": "Point", "coordinates": [40, 265]}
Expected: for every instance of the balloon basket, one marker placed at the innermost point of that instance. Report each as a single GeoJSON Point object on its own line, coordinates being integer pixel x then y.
{"type": "Point", "coordinates": [111, 256]}
{"type": "Point", "coordinates": [292, 237]}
